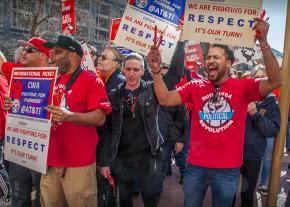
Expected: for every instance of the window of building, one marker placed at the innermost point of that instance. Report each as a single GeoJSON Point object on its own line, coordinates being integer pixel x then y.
{"type": "Point", "coordinates": [104, 9]}
{"type": "Point", "coordinates": [119, 12]}
{"type": "Point", "coordinates": [102, 35]}
{"type": "Point", "coordinates": [104, 22]}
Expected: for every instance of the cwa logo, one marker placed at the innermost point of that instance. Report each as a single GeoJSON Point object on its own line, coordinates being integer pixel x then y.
{"type": "Point", "coordinates": [141, 3]}
{"type": "Point", "coordinates": [216, 116]}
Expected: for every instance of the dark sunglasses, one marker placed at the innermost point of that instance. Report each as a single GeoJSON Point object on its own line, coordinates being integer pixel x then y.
{"type": "Point", "coordinates": [30, 50]}
{"type": "Point", "coordinates": [215, 94]}
{"type": "Point", "coordinates": [103, 57]}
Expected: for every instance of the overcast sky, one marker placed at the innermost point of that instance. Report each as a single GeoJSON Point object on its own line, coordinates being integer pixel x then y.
{"type": "Point", "coordinates": [276, 10]}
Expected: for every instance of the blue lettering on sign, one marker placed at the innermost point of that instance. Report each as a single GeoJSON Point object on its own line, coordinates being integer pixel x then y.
{"type": "Point", "coordinates": [230, 21]}
{"type": "Point", "coordinates": [170, 10]}
{"type": "Point", "coordinates": [216, 115]}
{"type": "Point", "coordinates": [145, 35]}
{"type": "Point", "coordinates": [25, 143]}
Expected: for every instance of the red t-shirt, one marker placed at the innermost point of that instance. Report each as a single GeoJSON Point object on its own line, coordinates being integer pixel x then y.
{"type": "Point", "coordinates": [74, 145]}
{"type": "Point", "coordinates": [7, 68]}
{"type": "Point", "coordinates": [3, 91]}
{"type": "Point", "coordinates": [217, 129]}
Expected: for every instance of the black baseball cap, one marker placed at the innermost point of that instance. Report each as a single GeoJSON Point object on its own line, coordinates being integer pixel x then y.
{"type": "Point", "coordinates": [67, 42]}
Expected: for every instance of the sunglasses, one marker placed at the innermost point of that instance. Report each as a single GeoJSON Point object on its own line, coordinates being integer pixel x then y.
{"type": "Point", "coordinates": [215, 94]}
{"type": "Point", "coordinates": [103, 58]}
{"type": "Point", "coordinates": [30, 50]}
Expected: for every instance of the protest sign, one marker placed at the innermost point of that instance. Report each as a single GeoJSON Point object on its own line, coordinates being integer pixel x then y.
{"type": "Point", "coordinates": [252, 56]}
{"type": "Point", "coordinates": [223, 22]}
{"type": "Point", "coordinates": [87, 61]}
{"type": "Point", "coordinates": [68, 25]}
{"type": "Point", "coordinates": [28, 124]}
{"type": "Point", "coordinates": [136, 31]}
{"type": "Point", "coordinates": [193, 55]}
{"type": "Point", "coordinates": [114, 28]}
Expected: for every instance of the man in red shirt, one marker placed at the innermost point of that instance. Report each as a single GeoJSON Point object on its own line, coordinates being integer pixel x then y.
{"type": "Point", "coordinates": [218, 119]}
{"type": "Point", "coordinates": [5, 197]}
{"type": "Point", "coordinates": [81, 104]}
{"type": "Point", "coordinates": [22, 179]}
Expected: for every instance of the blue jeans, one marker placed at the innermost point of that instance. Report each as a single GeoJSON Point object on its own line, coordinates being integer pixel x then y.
{"type": "Point", "coordinates": [267, 161]}
{"type": "Point", "coordinates": [22, 180]}
{"type": "Point", "coordinates": [223, 183]}
{"type": "Point", "coordinates": [288, 136]}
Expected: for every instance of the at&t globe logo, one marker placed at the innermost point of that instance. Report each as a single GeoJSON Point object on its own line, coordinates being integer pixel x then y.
{"type": "Point", "coordinates": [141, 3]}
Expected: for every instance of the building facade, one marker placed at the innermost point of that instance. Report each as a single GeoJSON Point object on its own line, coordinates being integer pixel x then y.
{"type": "Point", "coordinates": [19, 19]}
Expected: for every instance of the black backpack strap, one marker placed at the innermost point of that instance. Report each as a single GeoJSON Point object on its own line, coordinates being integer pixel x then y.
{"type": "Point", "coordinates": [72, 79]}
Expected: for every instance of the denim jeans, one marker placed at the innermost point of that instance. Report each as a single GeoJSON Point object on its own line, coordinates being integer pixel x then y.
{"type": "Point", "coordinates": [22, 180]}
{"type": "Point", "coordinates": [223, 183]}
{"type": "Point", "coordinates": [267, 161]}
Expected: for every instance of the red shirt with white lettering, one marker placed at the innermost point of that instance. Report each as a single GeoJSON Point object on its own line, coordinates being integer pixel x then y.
{"type": "Point", "coordinates": [7, 68]}
{"type": "Point", "coordinates": [3, 91]}
{"type": "Point", "coordinates": [217, 127]}
{"type": "Point", "coordinates": [74, 145]}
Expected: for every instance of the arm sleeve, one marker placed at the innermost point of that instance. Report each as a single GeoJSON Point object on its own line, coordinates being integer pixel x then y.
{"type": "Point", "coordinates": [268, 126]}
{"type": "Point", "coordinates": [180, 124]}
{"type": "Point", "coordinates": [104, 155]}
{"type": "Point", "coordinates": [176, 67]}
{"type": "Point", "coordinates": [97, 96]}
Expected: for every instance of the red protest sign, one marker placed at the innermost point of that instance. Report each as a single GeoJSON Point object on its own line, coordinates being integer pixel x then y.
{"type": "Point", "coordinates": [193, 55]}
{"type": "Point", "coordinates": [114, 27]}
{"type": "Point", "coordinates": [68, 25]}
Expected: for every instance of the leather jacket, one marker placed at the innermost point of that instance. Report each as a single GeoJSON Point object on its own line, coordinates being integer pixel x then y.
{"type": "Point", "coordinates": [149, 107]}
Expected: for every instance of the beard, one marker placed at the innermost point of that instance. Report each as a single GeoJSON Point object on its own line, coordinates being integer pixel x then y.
{"type": "Point", "coordinates": [63, 65]}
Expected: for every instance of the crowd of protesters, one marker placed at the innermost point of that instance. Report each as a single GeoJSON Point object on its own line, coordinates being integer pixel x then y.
{"type": "Point", "coordinates": [123, 125]}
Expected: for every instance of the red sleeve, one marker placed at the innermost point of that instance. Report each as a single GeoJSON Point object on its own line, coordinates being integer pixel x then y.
{"type": "Point", "coordinates": [7, 68]}
{"type": "Point", "coordinates": [252, 89]}
{"type": "Point", "coordinates": [185, 92]}
{"type": "Point", "coordinates": [98, 98]}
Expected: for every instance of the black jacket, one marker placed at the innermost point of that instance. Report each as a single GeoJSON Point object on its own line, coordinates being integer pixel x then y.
{"type": "Point", "coordinates": [148, 103]}
{"type": "Point", "coordinates": [265, 123]}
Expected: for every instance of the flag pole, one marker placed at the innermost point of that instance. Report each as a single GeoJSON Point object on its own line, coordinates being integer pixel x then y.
{"type": "Point", "coordinates": [278, 150]}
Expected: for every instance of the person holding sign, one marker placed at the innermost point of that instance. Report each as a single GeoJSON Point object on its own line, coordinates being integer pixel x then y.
{"type": "Point", "coordinates": [22, 179]}
{"type": "Point", "coordinates": [80, 104]}
{"type": "Point", "coordinates": [218, 119]}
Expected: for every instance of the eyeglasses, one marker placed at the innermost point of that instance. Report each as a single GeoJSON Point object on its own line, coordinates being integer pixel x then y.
{"type": "Point", "coordinates": [103, 58]}
{"type": "Point", "coordinates": [215, 94]}
{"type": "Point", "coordinates": [30, 50]}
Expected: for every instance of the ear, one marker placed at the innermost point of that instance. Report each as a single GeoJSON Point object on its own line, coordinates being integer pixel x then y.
{"type": "Point", "coordinates": [228, 64]}
{"type": "Point", "coordinates": [143, 71]}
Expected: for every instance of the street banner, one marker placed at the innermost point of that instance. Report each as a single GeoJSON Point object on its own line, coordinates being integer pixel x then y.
{"type": "Point", "coordinates": [224, 22]}
{"type": "Point", "coordinates": [193, 55]}
{"type": "Point", "coordinates": [28, 124]}
{"type": "Point", "coordinates": [114, 28]}
{"type": "Point", "coordinates": [68, 25]}
{"type": "Point", "coordinates": [144, 20]}
{"type": "Point", "coordinates": [87, 61]}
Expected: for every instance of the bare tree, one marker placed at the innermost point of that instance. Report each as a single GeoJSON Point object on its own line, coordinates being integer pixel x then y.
{"type": "Point", "coordinates": [34, 16]}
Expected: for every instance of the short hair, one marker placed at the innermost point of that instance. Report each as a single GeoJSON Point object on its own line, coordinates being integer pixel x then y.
{"type": "Point", "coordinates": [117, 54]}
{"type": "Point", "coordinates": [135, 56]}
{"type": "Point", "coordinates": [229, 53]}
